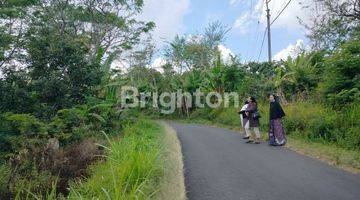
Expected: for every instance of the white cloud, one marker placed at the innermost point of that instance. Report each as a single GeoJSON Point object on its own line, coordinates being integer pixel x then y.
{"type": "Point", "coordinates": [236, 2]}
{"type": "Point", "coordinates": [168, 16]}
{"type": "Point", "coordinates": [292, 50]}
{"type": "Point", "coordinates": [288, 19]}
{"type": "Point", "coordinates": [242, 21]}
{"type": "Point", "coordinates": [158, 63]}
{"type": "Point", "coordinates": [225, 53]}
{"type": "Point", "coordinates": [233, 2]}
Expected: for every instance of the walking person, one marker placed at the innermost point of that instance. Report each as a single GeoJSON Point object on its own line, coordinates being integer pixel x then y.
{"type": "Point", "coordinates": [253, 115]}
{"type": "Point", "coordinates": [244, 119]}
{"type": "Point", "coordinates": [276, 129]}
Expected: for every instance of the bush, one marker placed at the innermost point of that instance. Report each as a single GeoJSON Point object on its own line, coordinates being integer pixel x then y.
{"type": "Point", "coordinates": [5, 175]}
{"type": "Point", "coordinates": [25, 146]}
{"type": "Point", "coordinates": [68, 126]}
{"type": "Point", "coordinates": [204, 113]}
{"type": "Point", "coordinates": [227, 116]}
{"type": "Point", "coordinates": [342, 75]}
{"type": "Point", "coordinates": [19, 132]}
{"type": "Point", "coordinates": [320, 123]}
{"type": "Point", "coordinates": [132, 168]}
{"type": "Point", "coordinates": [54, 171]}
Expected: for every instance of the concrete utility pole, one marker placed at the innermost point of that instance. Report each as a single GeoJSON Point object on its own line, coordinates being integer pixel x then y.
{"type": "Point", "coordinates": [268, 28]}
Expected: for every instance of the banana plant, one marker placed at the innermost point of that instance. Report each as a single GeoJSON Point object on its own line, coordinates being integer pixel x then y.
{"type": "Point", "coordinates": [295, 72]}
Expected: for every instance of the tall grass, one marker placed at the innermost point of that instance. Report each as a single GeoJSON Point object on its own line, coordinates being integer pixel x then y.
{"type": "Point", "coordinates": [319, 123]}
{"type": "Point", "coordinates": [132, 169]}
{"type": "Point", "coordinates": [312, 121]}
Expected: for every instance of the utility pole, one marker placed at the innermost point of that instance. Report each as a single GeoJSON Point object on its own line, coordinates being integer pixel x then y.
{"type": "Point", "coordinates": [268, 28]}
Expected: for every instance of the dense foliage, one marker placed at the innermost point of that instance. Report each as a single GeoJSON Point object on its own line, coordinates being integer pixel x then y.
{"type": "Point", "coordinates": [55, 59]}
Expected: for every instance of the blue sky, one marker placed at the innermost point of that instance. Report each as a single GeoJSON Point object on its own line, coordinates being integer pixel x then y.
{"type": "Point", "coordinates": [246, 18]}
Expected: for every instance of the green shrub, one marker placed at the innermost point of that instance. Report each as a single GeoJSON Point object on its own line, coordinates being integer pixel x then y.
{"type": "Point", "coordinates": [68, 126]}
{"type": "Point", "coordinates": [25, 124]}
{"type": "Point", "coordinates": [132, 169]}
{"type": "Point", "coordinates": [341, 83]}
{"type": "Point", "coordinates": [19, 132]}
{"type": "Point", "coordinates": [5, 175]}
{"type": "Point", "coordinates": [203, 113]}
{"type": "Point", "coordinates": [227, 116]}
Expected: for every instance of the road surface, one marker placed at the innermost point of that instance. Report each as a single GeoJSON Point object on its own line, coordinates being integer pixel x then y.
{"type": "Point", "coordinates": [219, 165]}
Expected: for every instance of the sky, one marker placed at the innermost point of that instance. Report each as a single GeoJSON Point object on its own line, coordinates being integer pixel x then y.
{"type": "Point", "coordinates": [245, 18]}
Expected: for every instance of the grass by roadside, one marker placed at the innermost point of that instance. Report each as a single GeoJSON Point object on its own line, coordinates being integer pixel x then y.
{"type": "Point", "coordinates": [172, 184]}
{"type": "Point", "coordinates": [132, 169]}
{"type": "Point", "coordinates": [348, 160]}
{"type": "Point", "coordinates": [137, 166]}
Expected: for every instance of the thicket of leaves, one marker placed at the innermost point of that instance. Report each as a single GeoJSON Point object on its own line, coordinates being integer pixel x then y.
{"type": "Point", "coordinates": [55, 101]}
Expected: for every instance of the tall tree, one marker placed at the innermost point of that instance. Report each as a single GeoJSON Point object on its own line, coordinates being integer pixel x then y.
{"type": "Point", "coordinates": [13, 16]}
{"type": "Point", "coordinates": [67, 46]}
{"type": "Point", "coordinates": [332, 22]}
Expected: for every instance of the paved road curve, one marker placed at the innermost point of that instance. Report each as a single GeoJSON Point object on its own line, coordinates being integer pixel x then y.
{"type": "Point", "coordinates": [219, 165]}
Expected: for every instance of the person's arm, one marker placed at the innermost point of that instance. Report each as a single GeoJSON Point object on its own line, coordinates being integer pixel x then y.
{"type": "Point", "coordinates": [251, 108]}
{"type": "Point", "coordinates": [243, 109]}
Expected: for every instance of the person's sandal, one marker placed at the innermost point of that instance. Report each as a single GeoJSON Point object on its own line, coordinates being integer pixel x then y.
{"type": "Point", "coordinates": [245, 138]}
{"type": "Point", "coordinates": [249, 141]}
{"type": "Point", "coordinates": [257, 142]}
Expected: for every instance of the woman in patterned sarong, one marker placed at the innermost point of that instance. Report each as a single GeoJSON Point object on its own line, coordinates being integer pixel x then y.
{"type": "Point", "coordinates": [276, 129]}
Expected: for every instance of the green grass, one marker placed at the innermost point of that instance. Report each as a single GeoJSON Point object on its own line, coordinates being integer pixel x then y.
{"type": "Point", "coordinates": [133, 166]}
{"type": "Point", "coordinates": [330, 153]}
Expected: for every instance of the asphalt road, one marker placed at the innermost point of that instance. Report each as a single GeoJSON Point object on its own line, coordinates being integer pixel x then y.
{"type": "Point", "coordinates": [219, 165]}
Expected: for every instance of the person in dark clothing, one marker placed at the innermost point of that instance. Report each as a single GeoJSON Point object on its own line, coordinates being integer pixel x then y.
{"type": "Point", "coordinates": [276, 129]}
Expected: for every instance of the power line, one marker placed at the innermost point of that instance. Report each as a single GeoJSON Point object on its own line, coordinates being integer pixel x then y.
{"type": "Point", "coordinates": [267, 30]}
{"type": "Point", "coordinates": [283, 4]}
{"type": "Point", "coordinates": [253, 50]}
{"type": "Point", "coordinates": [256, 40]}
{"type": "Point", "coordinates": [262, 44]}
{"type": "Point", "coordinates": [249, 42]}
{"type": "Point", "coordinates": [281, 12]}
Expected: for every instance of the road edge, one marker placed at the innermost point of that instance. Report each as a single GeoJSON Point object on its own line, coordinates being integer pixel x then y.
{"type": "Point", "coordinates": [172, 186]}
{"type": "Point", "coordinates": [290, 146]}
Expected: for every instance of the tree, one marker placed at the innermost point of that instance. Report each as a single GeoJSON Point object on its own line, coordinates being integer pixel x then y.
{"type": "Point", "coordinates": [13, 15]}
{"type": "Point", "coordinates": [332, 22]}
{"type": "Point", "coordinates": [197, 51]}
{"type": "Point", "coordinates": [61, 76]}
{"type": "Point", "coordinates": [342, 76]}
{"type": "Point", "coordinates": [295, 75]}
{"type": "Point", "coordinates": [65, 46]}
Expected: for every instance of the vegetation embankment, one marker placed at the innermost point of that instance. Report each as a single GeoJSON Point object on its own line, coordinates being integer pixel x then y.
{"type": "Point", "coordinates": [39, 156]}
{"type": "Point", "coordinates": [146, 163]}
{"type": "Point", "coordinates": [56, 99]}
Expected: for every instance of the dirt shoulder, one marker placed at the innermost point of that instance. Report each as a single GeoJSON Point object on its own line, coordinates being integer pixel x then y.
{"type": "Point", "coordinates": [172, 185]}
